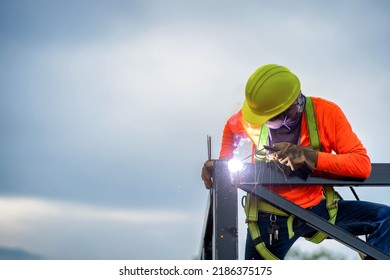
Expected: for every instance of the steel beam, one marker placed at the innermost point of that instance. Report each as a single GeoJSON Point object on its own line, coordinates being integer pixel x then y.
{"type": "Point", "coordinates": [225, 231]}
{"type": "Point", "coordinates": [221, 219]}
{"type": "Point", "coordinates": [254, 177]}
{"type": "Point", "coordinates": [206, 250]}
{"type": "Point", "coordinates": [270, 173]}
{"type": "Point", "coordinates": [317, 222]}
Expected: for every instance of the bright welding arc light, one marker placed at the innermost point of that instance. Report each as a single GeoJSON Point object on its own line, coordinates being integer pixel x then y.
{"type": "Point", "coordinates": [235, 165]}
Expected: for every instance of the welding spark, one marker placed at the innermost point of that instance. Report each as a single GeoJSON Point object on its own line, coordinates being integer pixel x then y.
{"type": "Point", "coordinates": [235, 165]}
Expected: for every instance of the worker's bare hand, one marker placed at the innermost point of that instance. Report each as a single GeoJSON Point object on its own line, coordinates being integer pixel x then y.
{"type": "Point", "coordinates": [207, 170]}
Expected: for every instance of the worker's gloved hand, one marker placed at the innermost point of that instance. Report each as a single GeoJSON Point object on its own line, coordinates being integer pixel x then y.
{"type": "Point", "coordinates": [206, 173]}
{"type": "Point", "coordinates": [295, 156]}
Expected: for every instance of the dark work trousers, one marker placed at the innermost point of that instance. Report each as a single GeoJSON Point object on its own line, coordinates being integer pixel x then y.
{"type": "Point", "coordinates": [356, 217]}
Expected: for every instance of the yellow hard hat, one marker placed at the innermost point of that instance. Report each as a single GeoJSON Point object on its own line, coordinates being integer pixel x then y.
{"type": "Point", "coordinates": [270, 90]}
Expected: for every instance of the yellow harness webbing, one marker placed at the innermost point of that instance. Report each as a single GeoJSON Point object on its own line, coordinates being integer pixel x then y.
{"type": "Point", "coordinates": [263, 138]}
{"type": "Point", "coordinates": [329, 194]}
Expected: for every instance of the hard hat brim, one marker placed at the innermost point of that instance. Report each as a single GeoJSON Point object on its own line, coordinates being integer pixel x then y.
{"type": "Point", "coordinates": [251, 117]}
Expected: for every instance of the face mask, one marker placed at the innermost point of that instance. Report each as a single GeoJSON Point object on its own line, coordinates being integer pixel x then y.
{"type": "Point", "coordinates": [290, 117]}
{"type": "Point", "coordinates": [278, 121]}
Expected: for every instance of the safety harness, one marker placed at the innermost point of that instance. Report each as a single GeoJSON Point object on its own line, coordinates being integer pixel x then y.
{"type": "Point", "coordinates": [254, 204]}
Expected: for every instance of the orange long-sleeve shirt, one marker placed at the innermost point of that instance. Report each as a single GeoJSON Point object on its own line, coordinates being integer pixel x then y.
{"type": "Point", "coordinates": [342, 151]}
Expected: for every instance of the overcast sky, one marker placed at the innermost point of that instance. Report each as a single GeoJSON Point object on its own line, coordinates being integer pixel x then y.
{"type": "Point", "coordinates": [105, 107]}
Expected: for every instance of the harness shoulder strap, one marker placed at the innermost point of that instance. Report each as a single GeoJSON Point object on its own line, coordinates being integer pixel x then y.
{"type": "Point", "coordinates": [329, 194]}
{"type": "Point", "coordinates": [263, 138]}
{"type": "Point", "coordinates": [311, 124]}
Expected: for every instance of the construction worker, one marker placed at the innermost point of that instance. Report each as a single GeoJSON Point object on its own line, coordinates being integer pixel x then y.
{"type": "Point", "coordinates": [276, 113]}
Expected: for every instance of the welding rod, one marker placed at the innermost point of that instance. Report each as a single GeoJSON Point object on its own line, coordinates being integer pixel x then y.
{"type": "Point", "coordinates": [209, 146]}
